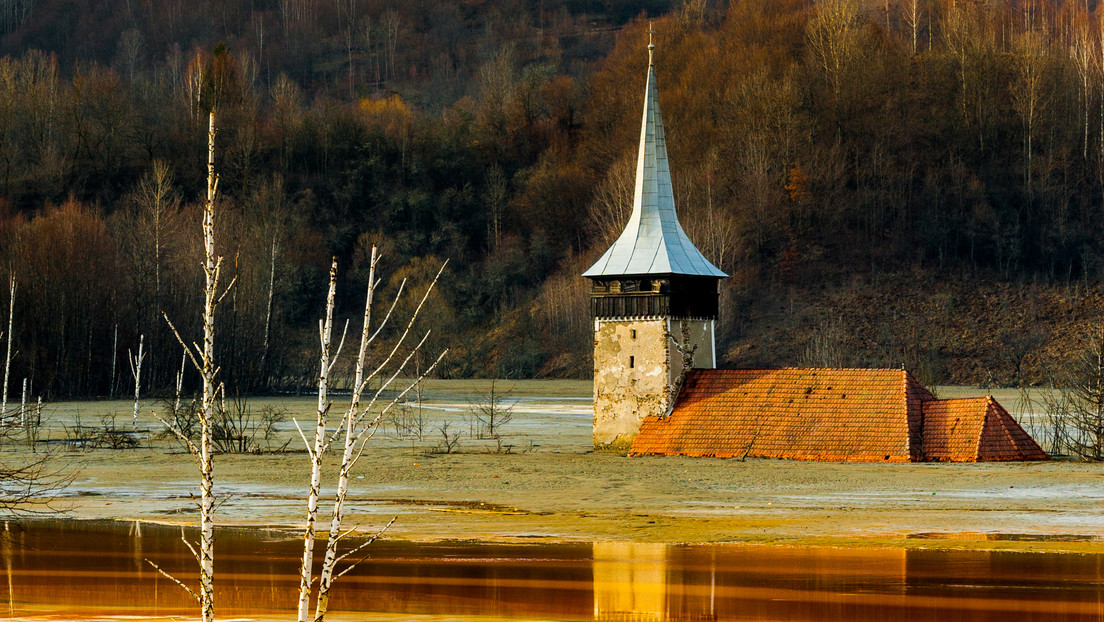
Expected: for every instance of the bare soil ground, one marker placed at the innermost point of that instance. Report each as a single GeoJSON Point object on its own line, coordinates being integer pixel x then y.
{"type": "Point", "coordinates": [542, 480]}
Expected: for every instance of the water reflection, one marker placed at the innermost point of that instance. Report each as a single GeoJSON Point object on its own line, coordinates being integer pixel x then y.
{"type": "Point", "coordinates": [630, 581]}
{"type": "Point", "coordinates": [80, 569]}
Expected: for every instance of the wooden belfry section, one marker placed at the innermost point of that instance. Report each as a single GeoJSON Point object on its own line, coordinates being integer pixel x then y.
{"type": "Point", "coordinates": [654, 303]}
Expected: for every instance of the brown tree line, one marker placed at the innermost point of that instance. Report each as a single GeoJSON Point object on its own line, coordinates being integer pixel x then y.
{"type": "Point", "coordinates": [808, 142]}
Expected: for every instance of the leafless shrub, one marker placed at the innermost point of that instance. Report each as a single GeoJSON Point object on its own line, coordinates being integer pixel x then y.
{"type": "Point", "coordinates": [494, 411]}
{"type": "Point", "coordinates": [1055, 426]}
{"type": "Point", "coordinates": [111, 436]}
{"type": "Point", "coordinates": [183, 416]}
{"type": "Point", "coordinates": [107, 435]}
{"type": "Point", "coordinates": [238, 429]}
{"type": "Point", "coordinates": [271, 418]}
{"type": "Point", "coordinates": [233, 428]}
{"type": "Point", "coordinates": [449, 443]}
{"type": "Point", "coordinates": [31, 487]}
{"type": "Point", "coordinates": [1075, 412]}
{"type": "Point", "coordinates": [75, 434]}
{"type": "Point", "coordinates": [407, 423]}
{"type": "Point", "coordinates": [1016, 347]}
{"type": "Point", "coordinates": [31, 416]}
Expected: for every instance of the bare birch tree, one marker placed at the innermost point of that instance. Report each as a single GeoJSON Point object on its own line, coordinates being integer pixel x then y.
{"type": "Point", "coordinates": [114, 353]}
{"type": "Point", "coordinates": [834, 37]}
{"type": "Point", "coordinates": [315, 450]}
{"type": "Point", "coordinates": [392, 23]}
{"type": "Point", "coordinates": [158, 212]}
{"type": "Point", "coordinates": [613, 200]}
{"type": "Point", "coordinates": [1029, 97]}
{"type": "Point", "coordinates": [913, 16]}
{"type": "Point", "coordinates": [349, 16]}
{"type": "Point", "coordinates": [357, 426]}
{"type": "Point", "coordinates": [136, 371]}
{"type": "Point", "coordinates": [1083, 54]}
{"type": "Point", "coordinates": [203, 359]}
{"type": "Point", "coordinates": [179, 387]}
{"type": "Point", "coordinates": [23, 406]}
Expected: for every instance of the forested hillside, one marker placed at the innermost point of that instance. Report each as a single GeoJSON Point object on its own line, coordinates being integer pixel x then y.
{"type": "Point", "coordinates": [890, 182]}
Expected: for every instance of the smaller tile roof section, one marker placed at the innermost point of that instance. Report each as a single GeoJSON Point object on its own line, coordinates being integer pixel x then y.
{"type": "Point", "coordinates": [967, 430]}
{"type": "Point", "coordinates": [839, 415]}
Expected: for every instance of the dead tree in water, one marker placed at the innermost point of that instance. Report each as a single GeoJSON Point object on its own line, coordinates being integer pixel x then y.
{"type": "Point", "coordinates": [357, 426]}
{"type": "Point", "coordinates": [204, 361]}
{"type": "Point", "coordinates": [325, 333]}
{"type": "Point", "coordinates": [136, 371]}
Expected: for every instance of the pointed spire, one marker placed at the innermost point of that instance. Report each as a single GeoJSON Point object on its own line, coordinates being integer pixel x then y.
{"type": "Point", "coordinates": [653, 241]}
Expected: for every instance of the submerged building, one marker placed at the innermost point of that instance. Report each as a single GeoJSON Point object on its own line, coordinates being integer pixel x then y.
{"type": "Point", "coordinates": [656, 390]}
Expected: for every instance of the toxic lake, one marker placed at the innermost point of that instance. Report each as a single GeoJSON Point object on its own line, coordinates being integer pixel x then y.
{"type": "Point", "coordinates": [536, 525]}
{"type": "Point", "coordinates": [64, 569]}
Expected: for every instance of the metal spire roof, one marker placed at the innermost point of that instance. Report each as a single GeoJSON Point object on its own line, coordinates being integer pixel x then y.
{"type": "Point", "coordinates": [653, 241]}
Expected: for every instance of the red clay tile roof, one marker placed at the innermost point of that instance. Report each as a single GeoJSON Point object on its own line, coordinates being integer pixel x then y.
{"type": "Point", "coordinates": [845, 415]}
{"type": "Point", "coordinates": [952, 428]}
{"type": "Point", "coordinates": [1004, 439]}
{"type": "Point", "coordinates": [975, 429]}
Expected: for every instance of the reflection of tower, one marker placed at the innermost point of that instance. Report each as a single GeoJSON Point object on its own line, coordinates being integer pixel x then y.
{"type": "Point", "coordinates": [630, 582]}
{"type": "Point", "coordinates": [654, 298]}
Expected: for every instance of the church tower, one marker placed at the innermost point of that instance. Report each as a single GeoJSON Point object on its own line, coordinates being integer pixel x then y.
{"type": "Point", "coordinates": [654, 298]}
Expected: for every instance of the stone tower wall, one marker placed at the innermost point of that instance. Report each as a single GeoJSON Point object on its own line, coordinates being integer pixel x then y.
{"type": "Point", "coordinates": [635, 368]}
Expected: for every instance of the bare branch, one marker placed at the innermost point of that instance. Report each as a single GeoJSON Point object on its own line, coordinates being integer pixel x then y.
{"type": "Point", "coordinates": [191, 548]}
{"type": "Point", "coordinates": [372, 427]}
{"type": "Point", "coordinates": [180, 339]}
{"type": "Point", "coordinates": [31, 488]}
{"type": "Point", "coordinates": [173, 579]}
{"type": "Point", "coordinates": [183, 438]}
{"type": "Point", "coordinates": [227, 290]}
{"type": "Point", "coordinates": [340, 344]}
{"type": "Point", "coordinates": [364, 545]}
{"type": "Point", "coordinates": [394, 303]}
{"type": "Point", "coordinates": [306, 443]}
{"type": "Point", "coordinates": [413, 318]}
{"type": "Point", "coordinates": [398, 371]}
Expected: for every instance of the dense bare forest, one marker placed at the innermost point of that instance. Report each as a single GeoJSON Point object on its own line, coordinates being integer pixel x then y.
{"type": "Point", "coordinates": [889, 182]}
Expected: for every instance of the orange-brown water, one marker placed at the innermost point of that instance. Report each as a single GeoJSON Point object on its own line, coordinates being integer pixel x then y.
{"type": "Point", "coordinates": [75, 569]}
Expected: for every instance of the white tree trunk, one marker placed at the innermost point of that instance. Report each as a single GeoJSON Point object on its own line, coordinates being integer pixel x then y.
{"type": "Point", "coordinates": [114, 352]}
{"type": "Point", "coordinates": [351, 421]}
{"type": "Point", "coordinates": [325, 330]}
{"type": "Point", "coordinates": [356, 432]}
{"type": "Point", "coordinates": [23, 406]}
{"type": "Point", "coordinates": [8, 356]}
{"type": "Point", "coordinates": [179, 387]}
{"type": "Point", "coordinates": [268, 309]}
{"type": "Point", "coordinates": [211, 269]}
{"type": "Point", "coordinates": [136, 371]}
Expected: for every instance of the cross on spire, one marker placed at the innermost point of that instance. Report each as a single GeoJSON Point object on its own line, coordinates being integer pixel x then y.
{"type": "Point", "coordinates": [651, 46]}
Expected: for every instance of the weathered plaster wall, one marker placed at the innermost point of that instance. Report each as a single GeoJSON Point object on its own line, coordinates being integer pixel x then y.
{"type": "Point", "coordinates": [635, 366]}
{"type": "Point", "coordinates": [631, 373]}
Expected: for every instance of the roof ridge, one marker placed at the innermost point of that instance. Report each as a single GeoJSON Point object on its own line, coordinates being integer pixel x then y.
{"type": "Point", "coordinates": [961, 399]}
